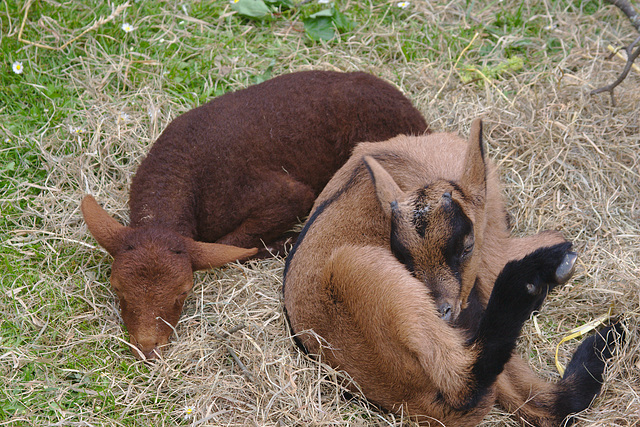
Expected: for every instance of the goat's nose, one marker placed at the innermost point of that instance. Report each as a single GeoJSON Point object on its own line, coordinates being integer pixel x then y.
{"type": "Point", "coordinates": [445, 311]}
{"type": "Point", "coordinates": [152, 354]}
{"type": "Point", "coordinates": [149, 348]}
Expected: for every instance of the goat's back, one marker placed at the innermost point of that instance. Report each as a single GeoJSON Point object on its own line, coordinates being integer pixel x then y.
{"type": "Point", "coordinates": [302, 125]}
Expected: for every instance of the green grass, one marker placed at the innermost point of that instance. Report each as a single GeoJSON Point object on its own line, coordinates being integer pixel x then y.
{"type": "Point", "coordinates": [189, 54]}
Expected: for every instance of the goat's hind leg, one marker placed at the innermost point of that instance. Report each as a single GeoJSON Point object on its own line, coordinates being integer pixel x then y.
{"type": "Point", "coordinates": [582, 379]}
{"type": "Point", "coordinates": [519, 390]}
{"type": "Point", "coordinates": [541, 403]}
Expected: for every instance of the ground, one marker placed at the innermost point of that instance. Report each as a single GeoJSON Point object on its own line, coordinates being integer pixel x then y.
{"type": "Point", "coordinates": [79, 118]}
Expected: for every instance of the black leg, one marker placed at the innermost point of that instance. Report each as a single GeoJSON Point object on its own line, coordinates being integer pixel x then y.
{"type": "Point", "coordinates": [582, 379]}
{"type": "Point", "coordinates": [519, 289]}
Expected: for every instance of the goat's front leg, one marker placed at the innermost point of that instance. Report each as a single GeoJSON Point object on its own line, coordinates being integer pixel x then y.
{"type": "Point", "coordinates": [520, 288]}
{"type": "Point", "coordinates": [276, 207]}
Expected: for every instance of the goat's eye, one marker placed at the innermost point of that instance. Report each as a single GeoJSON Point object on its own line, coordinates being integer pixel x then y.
{"type": "Point", "coordinates": [129, 248]}
{"type": "Point", "coordinates": [468, 247]}
{"type": "Point", "coordinates": [467, 250]}
{"type": "Point", "coordinates": [177, 251]}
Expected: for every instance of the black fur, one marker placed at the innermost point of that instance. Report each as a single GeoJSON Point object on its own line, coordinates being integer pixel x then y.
{"type": "Point", "coordinates": [468, 318]}
{"type": "Point", "coordinates": [399, 250]}
{"type": "Point", "coordinates": [582, 379]}
{"type": "Point", "coordinates": [460, 226]}
{"type": "Point", "coordinates": [420, 212]}
{"type": "Point", "coordinates": [519, 289]}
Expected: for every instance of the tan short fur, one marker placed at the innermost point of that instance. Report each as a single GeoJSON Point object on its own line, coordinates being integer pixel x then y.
{"type": "Point", "coordinates": [349, 297]}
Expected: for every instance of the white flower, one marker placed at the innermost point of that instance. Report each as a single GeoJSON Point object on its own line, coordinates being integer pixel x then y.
{"type": "Point", "coordinates": [403, 4]}
{"type": "Point", "coordinates": [17, 67]}
{"type": "Point", "coordinates": [188, 412]}
{"type": "Point", "coordinates": [233, 1]}
{"type": "Point", "coordinates": [124, 116]}
{"type": "Point", "coordinates": [324, 1]}
{"type": "Point", "coordinates": [127, 28]}
{"type": "Point", "coordinates": [76, 130]}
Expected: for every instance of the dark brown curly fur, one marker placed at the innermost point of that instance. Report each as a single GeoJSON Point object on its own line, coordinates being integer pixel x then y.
{"type": "Point", "coordinates": [239, 171]}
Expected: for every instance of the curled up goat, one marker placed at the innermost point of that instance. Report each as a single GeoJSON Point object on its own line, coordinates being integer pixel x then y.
{"type": "Point", "coordinates": [227, 178]}
{"type": "Point", "coordinates": [406, 277]}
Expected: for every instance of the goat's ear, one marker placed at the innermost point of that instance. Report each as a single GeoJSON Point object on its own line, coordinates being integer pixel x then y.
{"type": "Point", "coordinates": [107, 231]}
{"type": "Point", "coordinates": [475, 173]}
{"type": "Point", "coordinates": [387, 190]}
{"type": "Point", "coordinates": [211, 255]}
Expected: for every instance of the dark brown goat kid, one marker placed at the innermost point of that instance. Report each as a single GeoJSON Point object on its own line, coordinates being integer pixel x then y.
{"type": "Point", "coordinates": [238, 172]}
{"type": "Point", "coordinates": [405, 276]}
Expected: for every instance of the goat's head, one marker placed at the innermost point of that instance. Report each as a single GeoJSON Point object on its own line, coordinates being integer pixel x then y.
{"type": "Point", "coordinates": [152, 274]}
{"type": "Point", "coordinates": [436, 230]}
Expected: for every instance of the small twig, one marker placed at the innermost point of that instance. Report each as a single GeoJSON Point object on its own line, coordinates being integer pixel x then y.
{"type": "Point", "coordinates": [225, 334]}
{"type": "Point", "coordinates": [616, 52]}
{"type": "Point", "coordinates": [235, 357]}
{"type": "Point", "coordinates": [631, 57]}
{"type": "Point", "coordinates": [628, 10]}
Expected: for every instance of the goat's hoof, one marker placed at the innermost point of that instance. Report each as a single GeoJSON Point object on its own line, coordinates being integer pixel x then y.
{"type": "Point", "coordinates": [566, 268]}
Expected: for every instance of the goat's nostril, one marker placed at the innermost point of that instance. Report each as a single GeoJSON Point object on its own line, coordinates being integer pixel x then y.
{"type": "Point", "coordinates": [146, 349]}
{"type": "Point", "coordinates": [445, 311]}
{"type": "Point", "coordinates": [152, 354]}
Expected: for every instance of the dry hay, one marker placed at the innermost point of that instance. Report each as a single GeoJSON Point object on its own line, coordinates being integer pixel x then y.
{"type": "Point", "coordinates": [568, 161]}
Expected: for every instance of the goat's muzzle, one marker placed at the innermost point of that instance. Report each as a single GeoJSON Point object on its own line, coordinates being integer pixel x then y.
{"type": "Point", "coordinates": [147, 349]}
{"type": "Point", "coordinates": [448, 312]}
{"type": "Point", "coordinates": [445, 311]}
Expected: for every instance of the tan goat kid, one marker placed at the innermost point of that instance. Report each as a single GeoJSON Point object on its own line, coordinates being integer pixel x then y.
{"type": "Point", "coordinates": [406, 277]}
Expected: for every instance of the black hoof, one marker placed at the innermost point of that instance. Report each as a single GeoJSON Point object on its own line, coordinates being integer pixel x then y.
{"type": "Point", "coordinates": [524, 284]}
{"type": "Point", "coordinates": [566, 268]}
